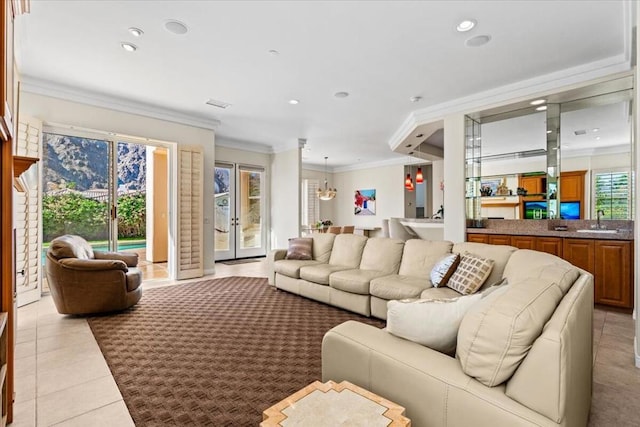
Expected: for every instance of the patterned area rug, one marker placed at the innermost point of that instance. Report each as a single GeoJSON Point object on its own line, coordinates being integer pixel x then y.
{"type": "Point", "coordinates": [214, 353]}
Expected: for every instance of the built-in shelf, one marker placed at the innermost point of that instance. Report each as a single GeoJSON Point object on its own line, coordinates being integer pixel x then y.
{"type": "Point", "coordinates": [21, 164]}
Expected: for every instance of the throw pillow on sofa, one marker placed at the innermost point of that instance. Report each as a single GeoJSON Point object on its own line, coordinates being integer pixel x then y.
{"type": "Point", "coordinates": [444, 269]}
{"type": "Point", "coordinates": [471, 273]}
{"type": "Point", "coordinates": [431, 322]}
{"type": "Point", "coordinates": [300, 248]}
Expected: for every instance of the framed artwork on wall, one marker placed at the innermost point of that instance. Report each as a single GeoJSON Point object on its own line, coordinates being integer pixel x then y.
{"type": "Point", "coordinates": [364, 202]}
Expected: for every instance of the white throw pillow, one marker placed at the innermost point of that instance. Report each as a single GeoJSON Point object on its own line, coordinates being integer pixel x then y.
{"type": "Point", "coordinates": [430, 322]}
{"type": "Point", "coordinates": [444, 269]}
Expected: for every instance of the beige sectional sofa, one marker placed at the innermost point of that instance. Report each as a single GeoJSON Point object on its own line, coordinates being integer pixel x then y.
{"type": "Point", "coordinates": [497, 377]}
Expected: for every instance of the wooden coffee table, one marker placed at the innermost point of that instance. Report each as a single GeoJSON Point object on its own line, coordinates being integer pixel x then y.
{"type": "Point", "coordinates": [331, 404]}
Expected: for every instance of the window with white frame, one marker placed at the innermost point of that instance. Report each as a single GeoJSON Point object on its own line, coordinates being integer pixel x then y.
{"type": "Point", "coordinates": [612, 193]}
{"type": "Point", "coordinates": [310, 203]}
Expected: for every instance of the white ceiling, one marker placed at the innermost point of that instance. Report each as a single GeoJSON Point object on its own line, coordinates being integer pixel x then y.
{"type": "Point", "coordinates": [381, 52]}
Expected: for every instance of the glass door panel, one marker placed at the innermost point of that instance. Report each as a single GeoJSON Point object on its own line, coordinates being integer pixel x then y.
{"type": "Point", "coordinates": [76, 196]}
{"type": "Point", "coordinates": [224, 182]}
{"type": "Point", "coordinates": [131, 198]}
{"type": "Point", "coordinates": [250, 206]}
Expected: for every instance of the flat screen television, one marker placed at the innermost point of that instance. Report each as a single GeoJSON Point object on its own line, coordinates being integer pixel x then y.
{"type": "Point", "coordinates": [569, 210]}
{"type": "Point", "coordinates": [535, 210]}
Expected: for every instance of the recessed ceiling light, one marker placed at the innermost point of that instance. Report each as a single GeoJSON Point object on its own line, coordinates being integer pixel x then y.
{"type": "Point", "coordinates": [538, 102]}
{"type": "Point", "coordinates": [478, 41]}
{"type": "Point", "coordinates": [466, 25]}
{"type": "Point", "coordinates": [219, 104]}
{"type": "Point", "coordinates": [597, 138]}
{"type": "Point", "coordinates": [176, 27]}
{"type": "Point", "coordinates": [549, 131]}
{"type": "Point", "coordinates": [137, 32]}
{"type": "Point", "coordinates": [409, 145]}
{"type": "Point", "coordinates": [341, 94]}
{"type": "Point", "coordinates": [595, 130]}
{"type": "Point", "coordinates": [129, 47]}
{"type": "Point", "coordinates": [420, 135]}
{"type": "Point", "coordinates": [541, 108]}
{"type": "Point", "coordinates": [415, 99]}
{"type": "Point", "coordinates": [410, 152]}
{"type": "Point", "coordinates": [294, 102]}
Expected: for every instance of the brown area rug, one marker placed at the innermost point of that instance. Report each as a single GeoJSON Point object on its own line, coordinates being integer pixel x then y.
{"type": "Point", "coordinates": [214, 353]}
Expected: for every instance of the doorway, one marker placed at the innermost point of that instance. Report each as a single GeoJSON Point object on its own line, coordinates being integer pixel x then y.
{"type": "Point", "coordinates": [239, 211]}
{"type": "Point", "coordinates": [100, 188]}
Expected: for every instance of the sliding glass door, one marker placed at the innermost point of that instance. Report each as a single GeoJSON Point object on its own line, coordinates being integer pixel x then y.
{"type": "Point", "coordinates": [239, 211]}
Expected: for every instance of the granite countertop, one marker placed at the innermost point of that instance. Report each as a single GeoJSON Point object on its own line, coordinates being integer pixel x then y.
{"type": "Point", "coordinates": [545, 229]}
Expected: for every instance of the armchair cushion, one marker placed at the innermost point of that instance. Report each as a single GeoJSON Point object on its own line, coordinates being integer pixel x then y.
{"type": "Point", "coordinates": [93, 264]}
{"type": "Point", "coordinates": [70, 246]}
{"type": "Point", "coordinates": [129, 258]}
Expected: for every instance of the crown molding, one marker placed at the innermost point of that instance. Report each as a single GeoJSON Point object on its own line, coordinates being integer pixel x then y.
{"type": "Point", "coordinates": [511, 93]}
{"type": "Point", "coordinates": [237, 144]}
{"type": "Point", "coordinates": [402, 160]}
{"type": "Point", "coordinates": [68, 93]}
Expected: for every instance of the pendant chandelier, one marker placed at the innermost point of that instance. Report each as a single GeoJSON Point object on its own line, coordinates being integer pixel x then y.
{"type": "Point", "coordinates": [327, 193]}
{"type": "Point", "coordinates": [408, 182]}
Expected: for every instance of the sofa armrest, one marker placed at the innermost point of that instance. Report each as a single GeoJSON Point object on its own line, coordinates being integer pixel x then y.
{"type": "Point", "coordinates": [129, 258]}
{"type": "Point", "coordinates": [93, 264]}
{"type": "Point", "coordinates": [272, 257]}
{"type": "Point", "coordinates": [430, 385]}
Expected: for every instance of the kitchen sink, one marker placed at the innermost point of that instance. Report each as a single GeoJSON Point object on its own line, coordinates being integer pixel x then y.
{"type": "Point", "coordinates": [594, 230]}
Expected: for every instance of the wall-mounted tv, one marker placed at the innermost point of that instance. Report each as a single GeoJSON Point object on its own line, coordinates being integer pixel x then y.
{"type": "Point", "coordinates": [538, 210]}
{"type": "Point", "coordinates": [535, 210]}
{"type": "Point", "coordinates": [569, 210]}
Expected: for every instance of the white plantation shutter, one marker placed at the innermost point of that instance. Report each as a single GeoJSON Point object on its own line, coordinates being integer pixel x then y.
{"type": "Point", "coordinates": [612, 194]}
{"type": "Point", "coordinates": [190, 212]}
{"type": "Point", "coordinates": [310, 202]}
{"type": "Point", "coordinates": [27, 207]}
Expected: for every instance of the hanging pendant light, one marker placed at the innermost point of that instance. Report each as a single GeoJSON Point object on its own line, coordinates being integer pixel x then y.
{"type": "Point", "coordinates": [419, 176]}
{"type": "Point", "coordinates": [407, 181]}
{"type": "Point", "coordinates": [327, 193]}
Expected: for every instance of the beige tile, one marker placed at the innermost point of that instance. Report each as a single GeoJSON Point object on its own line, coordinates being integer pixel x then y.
{"type": "Point", "coordinates": [24, 414]}
{"type": "Point", "coordinates": [25, 387]}
{"type": "Point", "coordinates": [66, 356]}
{"type": "Point", "coordinates": [74, 401]}
{"type": "Point", "coordinates": [61, 329]}
{"type": "Point", "coordinates": [25, 366]}
{"type": "Point", "coordinates": [25, 335]}
{"type": "Point", "coordinates": [616, 343]}
{"type": "Point", "coordinates": [113, 415]}
{"type": "Point", "coordinates": [25, 349]}
{"type": "Point", "coordinates": [612, 357]}
{"type": "Point", "coordinates": [55, 318]}
{"type": "Point", "coordinates": [83, 337]}
{"type": "Point", "coordinates": [621, 319]}
{"type": "Point", "coordinates": [618, 330]}
{"type": "Point", "coordinates": [72, 374]}
{"type": "Point", "coordinates": [620, 378]}
{"type": "Point", "coordinates": [27, 321]}
{"type": "Point", "coordinates": [609, 408]}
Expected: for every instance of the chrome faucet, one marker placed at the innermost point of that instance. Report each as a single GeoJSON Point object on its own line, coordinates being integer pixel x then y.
{"type": "Point", "coordinates": [599, 214]}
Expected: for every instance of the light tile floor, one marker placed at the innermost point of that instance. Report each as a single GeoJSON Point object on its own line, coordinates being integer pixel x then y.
{"type": "Point", "coordinates": [63, 380]}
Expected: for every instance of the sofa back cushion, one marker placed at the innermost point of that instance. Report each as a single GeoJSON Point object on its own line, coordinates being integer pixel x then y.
{"type": "Point", "coordinates": [496, 334]}
{"type": "Point", "coordinates": [322, 244]}
{"type": "Point", "coordinates": [419, 256]}
{"type": "Point", "coordinates": [525, 263]}
{"type": "Point", "coordinates": [500, 254]}
{"type": "Point", "coordinates": [382, 254]}
{"type": "Point", "coordinates": [347, 250]}
{"type": "Point", "coordinates": [70, 246]}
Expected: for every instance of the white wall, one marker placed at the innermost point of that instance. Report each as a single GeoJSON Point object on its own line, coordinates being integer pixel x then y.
{"type": "Point", "coordinates": [438, 177]}
{"type": "Point", "coordinates": [58, 111]}
{"type": "Point", "coordinates": [327, 207]}
{"type": "Point", "coordinates": [454, 185]}
{"type": "Point", "coordinates": [285, 197]}
{"type": "Point", "coordinates": [388, 181]}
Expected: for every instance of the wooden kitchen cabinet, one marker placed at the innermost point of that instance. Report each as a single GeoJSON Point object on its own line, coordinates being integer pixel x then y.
{"type": "Point", "coordinates": [534, 184]}
{"type": "Point", "coordinates": [550, 245]}
{"type": "Point", "coordinates": [477, 238]}
{"type": "Point", "coordinates": [580, 252]}
{"type": "Point", "coordinates": [499, 239]}
{"type": "Point", "coordinates": [523, 242]}
{"type": "Point", "coordinates": [613, 273]}
{"type": "Point", "coordinates": [572, 186]}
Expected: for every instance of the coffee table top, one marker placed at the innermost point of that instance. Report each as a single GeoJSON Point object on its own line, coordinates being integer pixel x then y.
{"type": "Point", "coordinates": [331, 404]}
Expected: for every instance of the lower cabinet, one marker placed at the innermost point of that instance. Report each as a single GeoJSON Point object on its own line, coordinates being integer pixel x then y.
{"type": "Point", "coordinates": [610, 261]}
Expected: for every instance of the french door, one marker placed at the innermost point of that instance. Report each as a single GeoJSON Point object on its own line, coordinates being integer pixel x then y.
{"type": "Point", "coordinates": [239, 211]}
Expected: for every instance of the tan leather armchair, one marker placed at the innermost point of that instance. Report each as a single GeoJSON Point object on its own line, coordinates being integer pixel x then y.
{"type": "Point", "coordinates": [84, 281]}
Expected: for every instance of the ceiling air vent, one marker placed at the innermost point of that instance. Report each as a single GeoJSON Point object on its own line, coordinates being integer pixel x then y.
{"type": "Point", "coordinates": [580, 132]}
{"type": "Point", "coordinates": [218, 104]}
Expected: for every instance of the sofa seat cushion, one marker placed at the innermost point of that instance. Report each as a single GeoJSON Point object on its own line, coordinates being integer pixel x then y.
{"type": "Point", "coordinates": [291, 267]}
{"type": "Point", "coordinates": [354, 281]}
{"type": "Point", "coordinates": [431, 322]}
{"type": "Point", "coordinates": [320, 273]}
{"type": "Point", "coordinates": [440, 293]}
{"type": "Point", "coordinates": [396, 286]}
{"type": "Point", "coordinates": [496, 334]}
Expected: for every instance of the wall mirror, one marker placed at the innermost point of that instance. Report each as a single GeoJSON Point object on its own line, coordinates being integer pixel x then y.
{"type": "Point", "coordinates": [569, 157]}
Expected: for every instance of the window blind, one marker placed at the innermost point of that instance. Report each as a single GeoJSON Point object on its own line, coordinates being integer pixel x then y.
{"type": "Point", "coordinates": [613, 194]}
{"type": "Point", "coordinates": [190, 212]}
{"type": "Point", "coordinates": [310, 202]}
